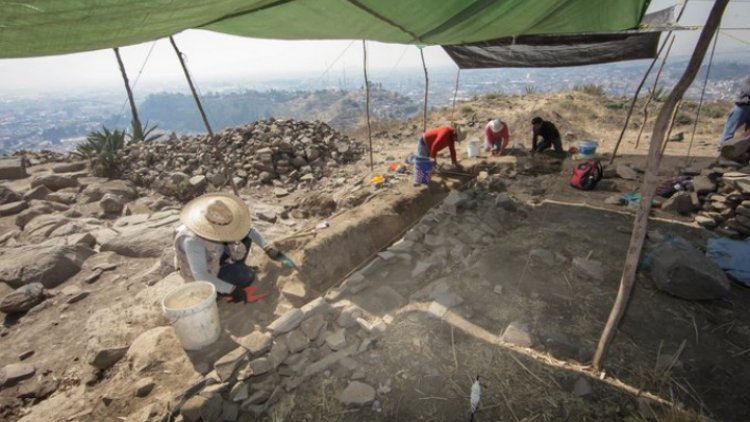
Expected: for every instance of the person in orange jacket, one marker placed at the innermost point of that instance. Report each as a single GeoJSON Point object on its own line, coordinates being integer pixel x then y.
{"type": "Point", "coordinates": [436, 139]}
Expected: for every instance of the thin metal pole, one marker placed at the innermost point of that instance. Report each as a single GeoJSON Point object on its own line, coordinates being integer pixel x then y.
{"type": "Point", "coordinates": [671, 126]}
{"type": "Point", "coordinates": [426, 88]}
{"type": "Point", "coordinates": [133, 109]}
{"type": "Point", "coordinates": [214, 139]}
{"type": "Point", "coordinates": [455, 93]}
{"type": "Point", "coordinates": [367, 103]}
{"type": "Point", "coordinates": [650, 180]}
{"type": "Point", "coordinates": [700, 102]}
{"type": "Point", "coordinates": [192, 87]}
{"type": "Point", "coordinates": [640, 86]}
{"type": "Point", "coordinates": [653, 91]}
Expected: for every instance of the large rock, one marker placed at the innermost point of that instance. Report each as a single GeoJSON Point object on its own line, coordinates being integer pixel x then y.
{"type": "Point", "coordinates": [69, 167]}
{"type": "Point", "coordinates": [141, 242]}
{"type": "Point", "coordinates": [588, 269]}
{"type": "Point", "coordinates": [23, 298]}
{"type": "Point", "coordinates": [680, 202]}
{"type": "Point", "coordinates": [36, 209]}
{"type": "Point", "coordinates": [111, 330]}
{"type": "Point", "coordinates": [703, 185]}
{"type": "Point", "coordinates": [39, 192]}
{"type": "Point", "coordinates": [12, 168]}
{"type": "Point", "coordinates": [13, 373]}
{"type": "Point", "coordinates": [357, 394]}
{"type": "Point", "coordinates": [12, 208]}
{"type": "Point", "coordinates": [518, 333]}
{"type": "Point", "coordinates": [626, 172]}
{"type": "Point", "coordinates": [64, 196]}
{"type": "Point", "coordinates": [54, 181]}
{"type": "Point", "coordinates": [96, 191]}
{"type": "Point", "coordinates": [50, 226]}
{"type": "Point", "coordinates": [734, 149]}
{"type": "Point", "coordinates": [683, 271]}
{"type": "Point", "coordinates": [8, 195]}
{"type": "Point", "coordinates": [153, 348]}
{"type": "Point", "coordinates": [49, 265]}
{"type": "Point", "coordinates": [111, 204]}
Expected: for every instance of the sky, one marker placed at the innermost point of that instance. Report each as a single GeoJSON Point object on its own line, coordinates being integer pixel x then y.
{"type": "Point", "coordinates": [212, 56]}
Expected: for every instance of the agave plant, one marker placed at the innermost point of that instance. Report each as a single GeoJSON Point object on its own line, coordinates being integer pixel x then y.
{"type": "Point", "coordinates": [101, 148]}
{"type": "Point", "coordinates": [141, 132]}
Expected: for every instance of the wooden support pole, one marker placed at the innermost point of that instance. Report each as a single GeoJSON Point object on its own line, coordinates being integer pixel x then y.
{"type": "Point", "coordinates": [640, 86]}
{"type": "Point", "coordinates": [133, 109]}
{"type": "Point", "coordinates": [426, 88]}
{"type": "Point", "coordinates": [455, 93]}
{"type": "Point", "coordinates": [367, 104]}
{"type": "Point", "coordinates": [650, 181]}
{"type": "Point", "coordinates": [228, 178]}
{"type": "Point", "coordinates": [192, 87]}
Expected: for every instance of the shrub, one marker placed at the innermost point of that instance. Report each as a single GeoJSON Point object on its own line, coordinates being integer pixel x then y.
{"type": "Point", "coordinates": [467, 109]}
{"type": "Point", "coordinates": [530, 89]}
{"type": "Point", "coordinates": [683, 119]}
{"type": "Point", "coordinates": [101, 148]}
{"type": "Point", "coordinates": [659, 94]}
{"type": "Point", "coordinates": [615, 105]}
{"type": "Point", "coordinates": [713, 111]}
{"type": "Point", "coordinates": [592, 89]}
{"type": "Point", "coordinates": [142, 133]}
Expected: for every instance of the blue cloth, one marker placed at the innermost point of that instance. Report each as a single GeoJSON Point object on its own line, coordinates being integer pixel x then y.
{"type": "Point", "coordinates": [739, 116]}
{"type": "Point", "coordinates": [731, 256]}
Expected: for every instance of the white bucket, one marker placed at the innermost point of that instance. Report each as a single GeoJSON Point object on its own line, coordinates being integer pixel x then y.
{"type": "Point", "coordinates": [192, 311]}
{"type": "Point", "coordinates": [472, 149]}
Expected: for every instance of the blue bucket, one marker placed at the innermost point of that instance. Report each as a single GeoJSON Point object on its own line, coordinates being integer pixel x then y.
{"type": "Point", "coordinates": [422, 170]}
{"type": "Point", "coordinates": [587, 149]}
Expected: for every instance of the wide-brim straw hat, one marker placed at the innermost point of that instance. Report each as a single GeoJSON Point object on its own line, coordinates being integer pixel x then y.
{"type": "Point", "coordinates": [220, 217]}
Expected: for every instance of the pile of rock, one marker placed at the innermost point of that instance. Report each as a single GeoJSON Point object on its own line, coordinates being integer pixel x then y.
{"type": "Point", "coordinates": [285, 152]}
{"type": "Point", "coordinates": [268, 363]}
{"type": "Point", "coordinates": [724, 194]}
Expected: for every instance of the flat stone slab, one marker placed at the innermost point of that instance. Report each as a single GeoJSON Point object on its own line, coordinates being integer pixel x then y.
{"type": "Point", "coordinates": [287, 322]}
{"type": "Point", "coordinates": [256, 342]}
{"type": "Point", "coordinates": [518, 333]}
{"type": "Point", "coordinates": [13, 373]}
{"type": "Point", "coordinates": [357, 394]}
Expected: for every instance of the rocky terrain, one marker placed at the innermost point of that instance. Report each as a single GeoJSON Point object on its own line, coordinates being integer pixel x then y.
{"type": "Point", "coordinates": [401, 294]}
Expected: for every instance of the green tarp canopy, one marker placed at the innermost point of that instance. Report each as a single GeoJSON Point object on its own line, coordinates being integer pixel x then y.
{"type": "Point", "coordinates": [46, 27]}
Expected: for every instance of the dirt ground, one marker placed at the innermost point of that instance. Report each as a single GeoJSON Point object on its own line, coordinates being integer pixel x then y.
{"type": "Point", "coordinates": [671, 359]}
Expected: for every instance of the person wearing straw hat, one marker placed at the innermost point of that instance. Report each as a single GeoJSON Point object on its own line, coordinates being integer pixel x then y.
{"type": "Point", "coordinates": [496, 136]}
{"type": "Point", "coordinates": [436, 139]}
{"type": "Point", "coordinates": [213, 242]}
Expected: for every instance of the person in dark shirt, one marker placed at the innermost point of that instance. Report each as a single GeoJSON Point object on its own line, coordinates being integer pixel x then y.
{"type": "Point", "coordinates": [548, 132]}
{"type": "Point", "coordinates": [740, 114]}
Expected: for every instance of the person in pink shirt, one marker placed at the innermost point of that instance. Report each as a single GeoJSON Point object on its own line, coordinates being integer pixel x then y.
{"type": "Point", "coordinates": [496, 136]}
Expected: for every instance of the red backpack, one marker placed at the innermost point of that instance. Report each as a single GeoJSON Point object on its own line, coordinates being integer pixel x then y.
{"type": "Point", "coordinates": [586, 175]}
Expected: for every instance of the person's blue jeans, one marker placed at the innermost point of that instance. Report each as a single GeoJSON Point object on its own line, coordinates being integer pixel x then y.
{"type": "Point", "coordinates": [237, 273]}
{"type": "Point", "coordinates": [740, 115]}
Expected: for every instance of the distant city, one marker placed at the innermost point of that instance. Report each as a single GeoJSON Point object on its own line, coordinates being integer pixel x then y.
{"type": "Point", "coordinates": [59, 122]}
